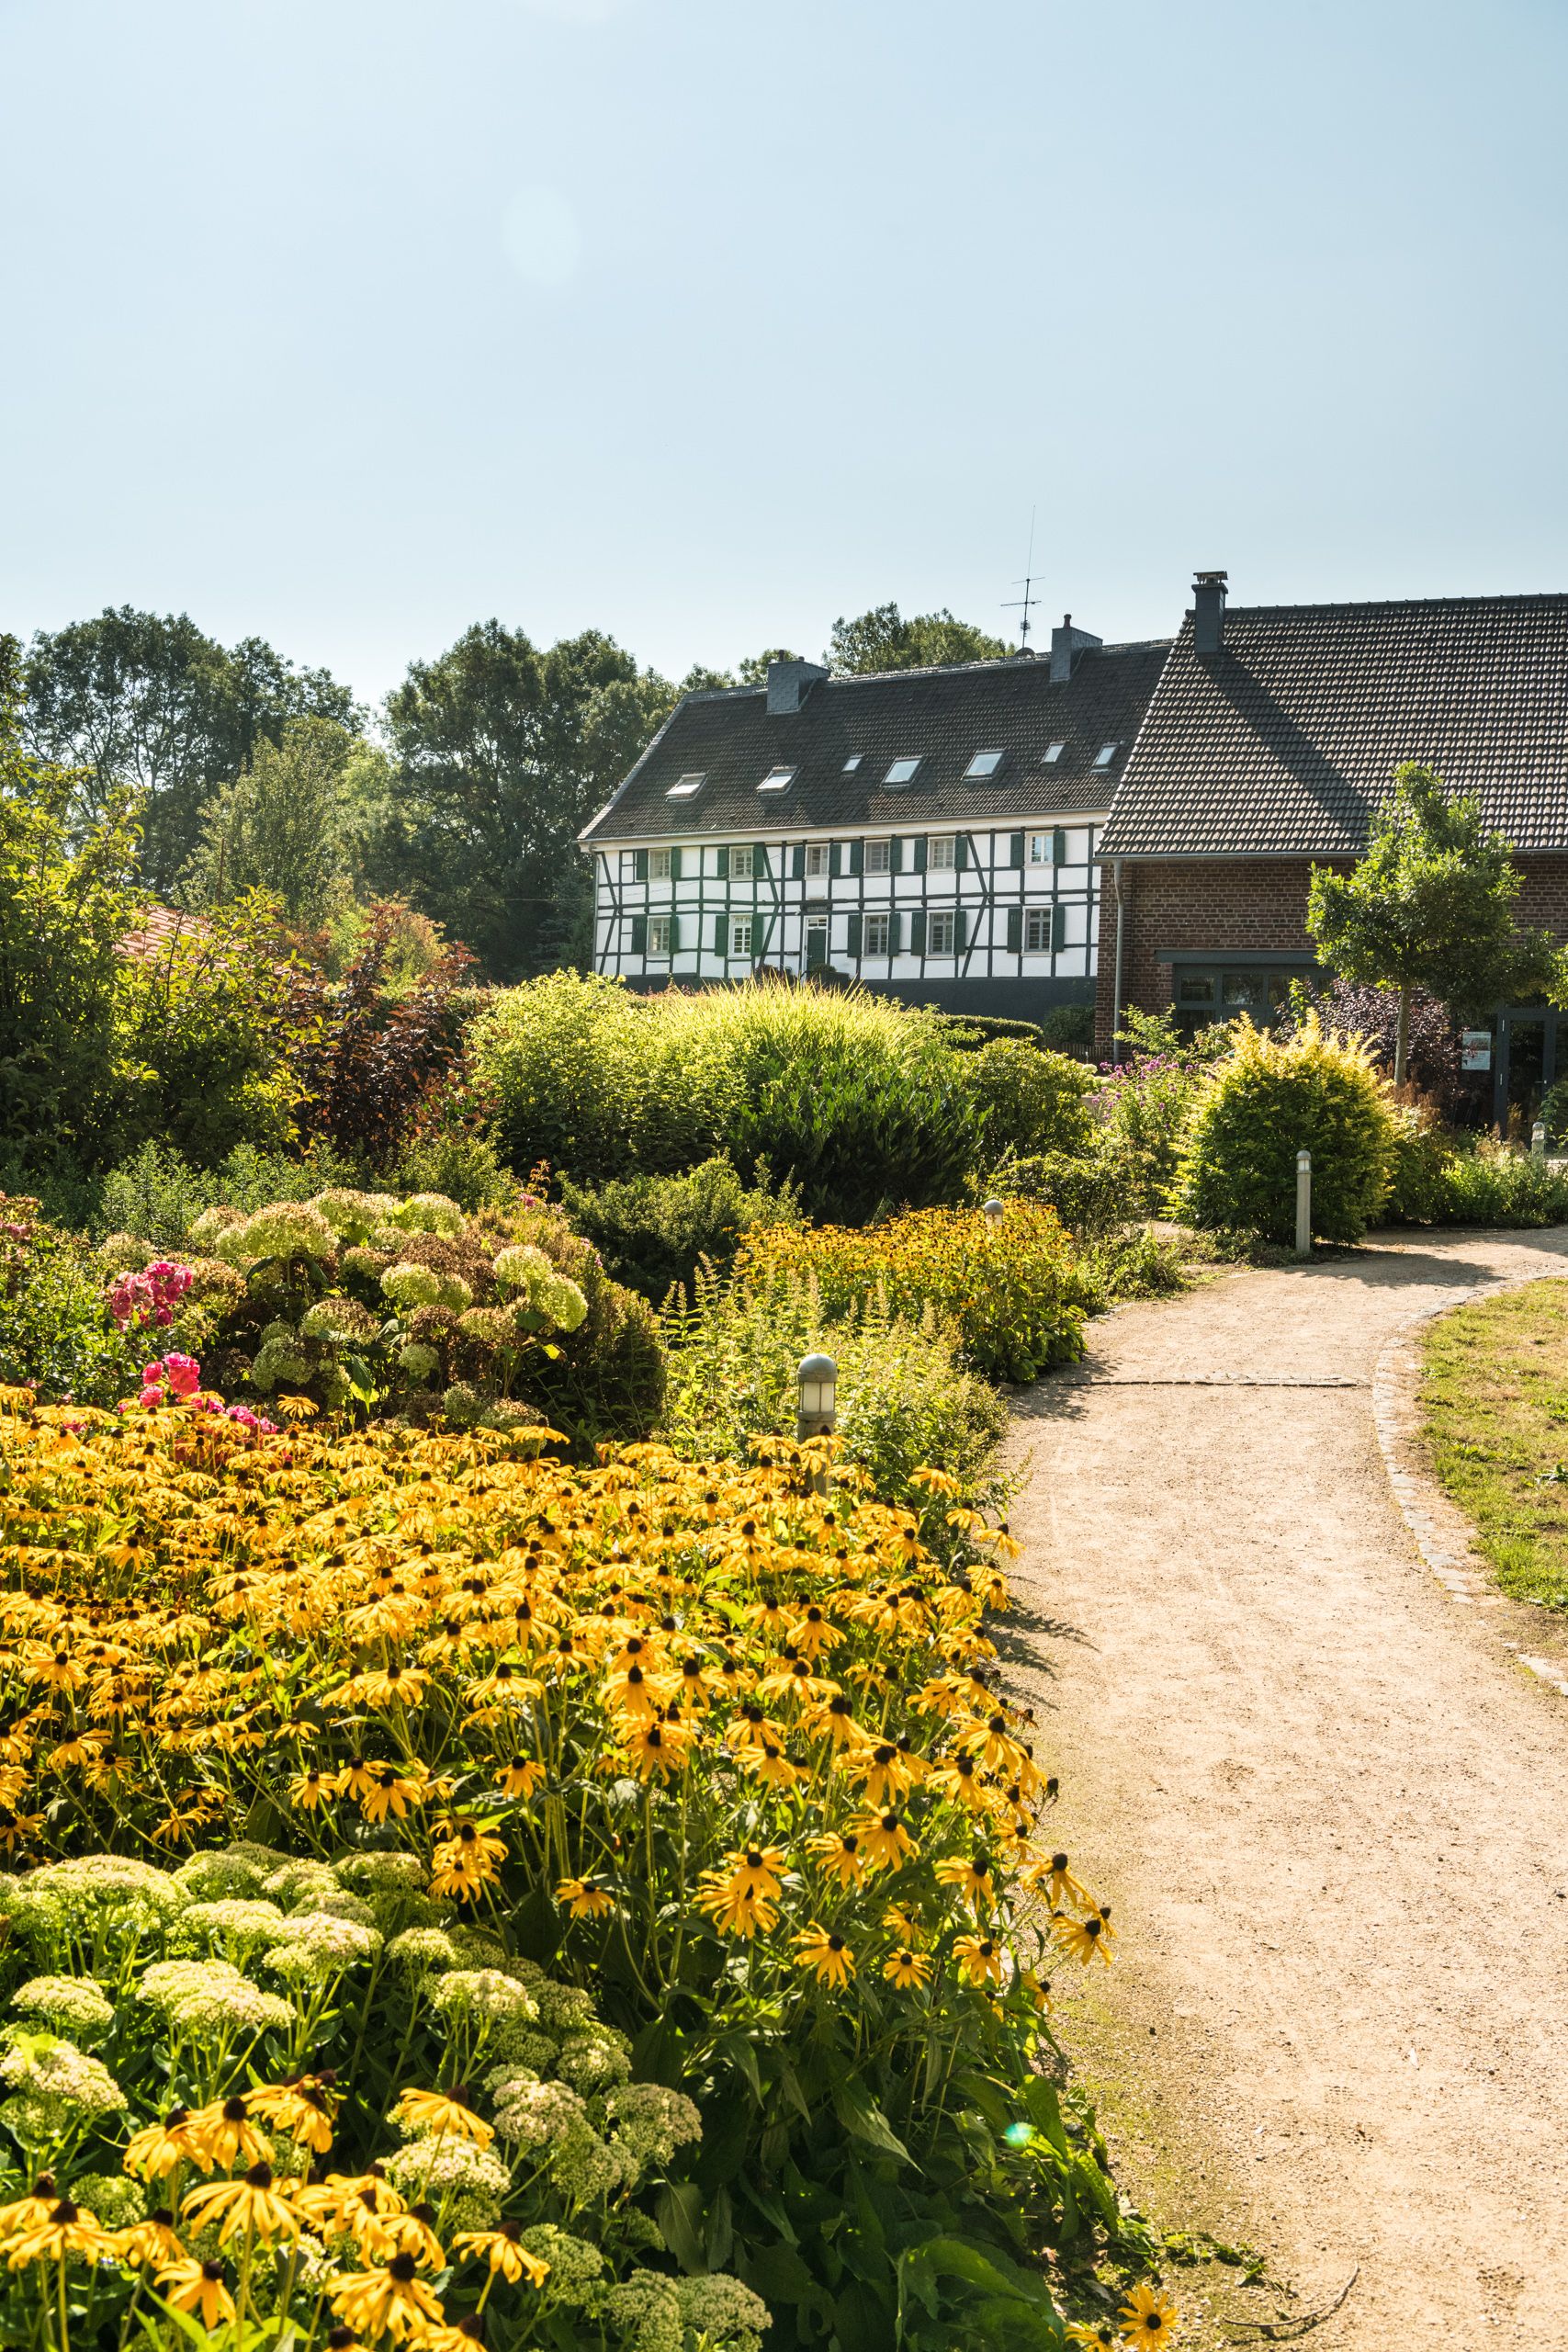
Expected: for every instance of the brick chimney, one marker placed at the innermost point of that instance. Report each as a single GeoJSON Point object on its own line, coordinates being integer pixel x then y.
{"type": "Point", "coordinates": [1209, 612]}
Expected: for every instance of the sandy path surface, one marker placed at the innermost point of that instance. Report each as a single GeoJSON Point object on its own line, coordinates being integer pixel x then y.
{"type": "Point", "coordinates": [1329, 1808]}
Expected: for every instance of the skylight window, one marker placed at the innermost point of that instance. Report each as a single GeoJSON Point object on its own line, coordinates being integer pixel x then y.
{"type": "Point", "coordinates": [1052, 752]}
{"type": "Point", "coordinates": [1105, 755]}
{"type": "Point", "coordinates": [775, 779]}
{"type": "Point", "coordinates": [852, 762]}
{"type": "Point", "coordinates": [685, 787]}
{"type": "Point", "coordinates": [983, 763]}
{"type": "Point", "coordinates": [902, 771]}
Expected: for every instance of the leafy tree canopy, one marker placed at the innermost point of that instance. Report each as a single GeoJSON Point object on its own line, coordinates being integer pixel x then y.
{"type": "Point", "coordinates": [285, 825]}
{"type": "Point", "coordinates": [150, 703]}
{"type": "Point", "coordinates": [1431, 906]}
{"type": "Point", "coordinates": [884, 640]}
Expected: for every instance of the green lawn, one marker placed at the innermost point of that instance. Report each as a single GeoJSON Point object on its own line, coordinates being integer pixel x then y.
{"type": "Point", "coordinates": [1495, 1394]}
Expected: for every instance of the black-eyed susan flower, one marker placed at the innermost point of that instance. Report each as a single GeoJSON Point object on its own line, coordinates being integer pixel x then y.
{"type": "Point", "coordinates": [1083, 1940]}
{"type": "Point", "coordinates": [973, 1878]}
{"type": "Point", "coordinates": [256, 2205]}
{"type": "Point", "coordinates": [521, 1776]}
{"type": "Point", "coordinates": [906, 1970]}
{"type": "Point", "coordinates": [1148, 2316]}
{"type": "Point", "coordinates": [152, 2244]}
{"type": "Point", "coordinates": [979, 1959]}
{"type": "Point", "coordinates": [503, 2251]}
{"type": "Point", "coordinates": [824, 1951]}
{"type": "Point", "coordinates": [887, 1840]}
{"type": "Point", "coordinates": [392, 2301]}
{"type": "Point", "coordinates": [434, 2114]}
{"type": "Point", "coordinates": [582, 1900]}
{"type": "Point", "coordinates": [303, 2107]}
{"type": "Point", "coordinates": [200, 2288]}
{"type": "Point", "coordinates": [840, 1855]}
{"type": "Point", "coordinates": [64, 2229]}
{"type": "Point", "coordinates": [224, 2135]}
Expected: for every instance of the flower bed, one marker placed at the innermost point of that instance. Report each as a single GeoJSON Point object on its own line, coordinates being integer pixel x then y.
{"type": "Point", "coordinates": [1008, 1285]}
{"type": "Point", "coordinates": [488, 1784]}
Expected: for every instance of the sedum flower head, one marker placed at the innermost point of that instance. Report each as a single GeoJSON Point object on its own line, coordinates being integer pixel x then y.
{"type": "Point", "coordinates": [475, 2179]}
{"type": "Point", "coordinates": [317, 1944]}
{"type": "Point", "coordinates": [644, 2312]}
{"type": "Point", "coordinates": [576, 2265]}
{"type": "Point", "coordinates": [594, 2061]}
{"type": "Point", "coordinates": [723, 2313]}
{"type": "Point", "coordinates": [73, 2006]}
{"type": "Point", "coordinates": [652, 2122]}
{"type": "Point", "coordinates": [214, 1877]}
{"type": "Point", "coordinates": [54, 2075]}
{"type": "Point", "coordinates": [117, 2199]}
{"type": "Point", "coordinates": [234, 1922]}
{"type": "Point", "coordinates": [211, 1996]}
{"type": "Point", "coordinates": [484, 1993]}
{"type": "Point", "coordinates": [422, 1952]}
{"type": "Point", "coordinates": [530, 2114]}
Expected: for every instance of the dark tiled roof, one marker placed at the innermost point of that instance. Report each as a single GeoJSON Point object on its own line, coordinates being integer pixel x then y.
{"type": "Point", "coordinates": [945, 716]}
{"type": "Point", "coordinates": [1284, 741]}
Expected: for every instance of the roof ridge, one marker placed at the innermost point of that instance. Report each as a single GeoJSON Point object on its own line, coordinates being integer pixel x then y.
{"type": "Point", "coordinates": [1398, 604]}
{"type": "Point", "coordinates": [935, 669]}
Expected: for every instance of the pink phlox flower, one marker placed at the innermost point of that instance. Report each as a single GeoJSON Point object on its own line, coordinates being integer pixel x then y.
{"type": "Point", "coordinates": [182, 1374]}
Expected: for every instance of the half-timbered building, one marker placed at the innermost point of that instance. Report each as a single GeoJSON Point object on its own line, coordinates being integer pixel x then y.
{"type": "Point", "coordinates": [931, 834]}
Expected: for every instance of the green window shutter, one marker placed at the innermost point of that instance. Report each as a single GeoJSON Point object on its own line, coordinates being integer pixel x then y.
{"type": "Point", "coordinates": [759, 862]}
{"type": "Point", "coordinates": [720, 927]}
{"type": "Point", "coordinates": [835, 858]}
{"type": "Point", "coordinates": [674, 934]}
{"type": "Point", "coordinates": [857, 857]}
{"type": "Point", "coordinates": [1058, 847]}
{"type": "Point", "coordinates": [1058, 929]}
{"type": "Point", "coordinates": [799, 862]}
{"type": "Point", "coordinates": [724, 866]}
{"type": "Point", "coordinates": [895, 858]}
{"type": "Point", "coordinates": [639, 935]}
{"type": "Point", "coordinates": [855, 936]}
{"type": "Point", "coordinates": [893, 933]}
{"type": "Point", "coordinates": [918, 931]}
{"type": "Point", "coordinates": [1015, 848]}
{"type": "Point", "coordinates": [639, 864]}
{"type": "Point", "coordinates": [960, 930]}
{"type": "Point", "coordinates": [674, 865]}
{"type": "Point", "coordinates": [919, 845]}
{"type": "Point", "coordinates": [1015, 924]}
{"type": "Point", "coordinates": [961, 851]}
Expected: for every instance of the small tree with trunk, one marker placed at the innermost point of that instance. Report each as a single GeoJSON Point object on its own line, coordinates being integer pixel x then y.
{"type": "Point", "coordinates": [1430, 907]}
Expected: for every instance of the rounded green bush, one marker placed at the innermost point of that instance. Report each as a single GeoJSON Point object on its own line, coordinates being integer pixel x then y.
{"type": "Point", "coordinates": [1267, 1100]}
{"type": "Point", "coordinates": [1032, 1100]}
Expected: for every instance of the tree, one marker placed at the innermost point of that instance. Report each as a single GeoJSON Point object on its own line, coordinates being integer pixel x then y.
{"type": "Point", "coordinates": [884, 640]}
{"type": "Point", "coordinates": [152, 704]}
{"type": "Point", "coordinates": [64, 905]}
{"type": "Point", "coordinates": [753, 669]}
{"type": "Point", "coordinates": [1431, 906]}
{"type": "Point", "coordinates": [283, 825]}
{"type": "Point", "coordinates": [502, 753]}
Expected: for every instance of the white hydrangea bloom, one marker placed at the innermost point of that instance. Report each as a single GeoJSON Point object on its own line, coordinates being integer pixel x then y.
{"type": "Point", "coordinates": [523, 1268]}
{"type": "Point", "coordinates": [429, 1212]}
{"type": "Point", "coordinates": [408, 1285]}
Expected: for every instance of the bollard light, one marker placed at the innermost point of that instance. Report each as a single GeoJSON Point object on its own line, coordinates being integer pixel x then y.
{"type": "Point", "coordinates": [816, 1412]}
{"type": "Point", "coordinates": [1304, 1204]}
{"type": "Point", "coordinates": [994, 1209]}
{"type": "Point", "coordinates": [1538, 1139]}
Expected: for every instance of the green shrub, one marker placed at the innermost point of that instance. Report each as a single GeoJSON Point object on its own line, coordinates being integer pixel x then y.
{"type": "Point", "coordinates": [1448, 1179]}
{"type": "Point", "coordinates": [1262, 1104]}
{"type": "Point", "coordinates": [1093, 1192]}
{"type": "Point", "coordinates": [856, 1100]}
{"type": "Point", "coordinates": [970, 1030]}
{"type": "Point", "coordinates": [650, 1231]}
{"type": "Point", "coordinates": [1032, 1101]}
{"type": "Point", "coordinates": [1068, 1028]}
{"type": "Point", "coordinates": [56, 1333]}
{"type": "Point", "coordinates": [904, 1399]}
{"type": "Point", "coordinates": [158, 1195]}
{"type": "Point", "coordinates": [458, 1162]}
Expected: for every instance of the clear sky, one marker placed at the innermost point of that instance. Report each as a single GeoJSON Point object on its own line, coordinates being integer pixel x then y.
{"type": "Point", "coordinates": [352, 321]}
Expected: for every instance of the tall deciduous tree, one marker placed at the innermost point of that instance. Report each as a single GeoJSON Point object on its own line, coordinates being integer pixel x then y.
{"type": "Point", "coordinates": [884, 640]}
{"type": "Point", "coordinates": [286, 826]}
{"type": "Point", "coordinates": [1431, 906]}
{"type": "Point", "coordinates": [503, 751]}
{"type": "Point", "coordinates": [151, 702]}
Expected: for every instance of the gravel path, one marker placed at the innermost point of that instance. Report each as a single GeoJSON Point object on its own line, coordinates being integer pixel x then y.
{"type": "Point", "coordinates": [1328, 1806]}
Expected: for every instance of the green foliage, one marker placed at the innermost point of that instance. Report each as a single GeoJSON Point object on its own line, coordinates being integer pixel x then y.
{"type": "Point", "coordinates": [970, 1030]}
{"type": "Point", "coordinates": [855, 1099]}
{"type": "Point", "coordinates": [1094, 1193]}
{"type": "Point", "coordinates": [651, 1231]}
{"type": "Point", "coordinates": [1068, 1028]}
{"type": "Point", "coordinates": [151, 705]}
{"type": "Point", "coordinates": [283, 826]}
{"type": "Point", "coordinates": [905, 1401]}
{"type": "Point", "coordinates": [883, 639]}
{"type": "Point", "coordinates": [1443, 1178]}
{"type": "Point", "coordinates": [456, 1161]}
{"type": "Point", "coordinates": [1032, 1101]}
{"type": "Point", "coordinates": [605, 1381]}
{"type": "Point", "coordinates": [502, 753]}
{"type": "Point", "coordinates": [158, 1195]}
{"type": "Point", "coordinates": [56, 1334]}
{"type": "Point", "coordinates": [1431, 906]}
{"type": "Point", "coordinates": [1266, 1101]}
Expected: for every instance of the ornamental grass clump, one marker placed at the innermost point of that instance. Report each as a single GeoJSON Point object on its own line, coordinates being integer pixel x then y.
{"type": "Point", "coordinates": [1007, 1286]}
{"type": "Point", "coordinates": [663, 1885]}
{"type": "Point", "coordinates": [1269, 1099]}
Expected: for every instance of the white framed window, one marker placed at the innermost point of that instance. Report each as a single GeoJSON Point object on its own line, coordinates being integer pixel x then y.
{"type": "Point", "coordinates": [879, 857]}
{"type": "Point", "coordinates": [876, 932]}
{"type": "Point", "coordinates": [902, 771]}
{"type": "Point", "coordinates": [740, 936]}
{"type": "Point", "coordinates": [741, 863]}
{"type": "Point", "coordinates": [985, 763]}
{"type": "Point", "coordinates": [852, 762]}
{"type": "Point", "coordinates": [658, 935]}
{"type": "Point", "coordinates": [942, 852]}
{"type": "Point", "coordinates": [1105, 755]}
{"type": "Point", "coordinates": [1051, 754]}
{"type": "Point", "coordinates": [661, 865]}
{"type": "Point", "coordinates": [685, 788]}
{"type": "Point", "coordinates": [819, 860]}
{"type": "Point", "coordinates": [1037, 931]}
{"type": "Point", "coordinates": [775, 779]}
{"type": "Point", "coordinates": [941, 934]}
{"type": "Point", "coordinates": [1040, 849]}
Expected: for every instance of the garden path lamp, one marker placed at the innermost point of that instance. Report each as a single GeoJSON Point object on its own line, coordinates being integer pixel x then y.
{"type": "Point", "coordinates": [994, 1210]}
{"type": "Point", "coordinates": [816, 1412]}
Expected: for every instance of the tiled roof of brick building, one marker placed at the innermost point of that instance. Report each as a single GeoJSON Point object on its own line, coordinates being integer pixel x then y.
{"type": "Point", "coordinates": [942, 718]}
{"type": "Point", "coordinates": [1285, 741]}
{"type": "Point", "coordinates": [156, 930]}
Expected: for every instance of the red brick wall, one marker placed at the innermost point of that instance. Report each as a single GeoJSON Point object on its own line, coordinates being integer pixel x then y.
{"type": "Point", "coordinates": [1242, 903]}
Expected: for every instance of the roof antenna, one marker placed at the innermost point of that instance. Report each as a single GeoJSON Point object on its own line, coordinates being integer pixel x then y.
{"type": "Point", "coordinates": [1027, 584]}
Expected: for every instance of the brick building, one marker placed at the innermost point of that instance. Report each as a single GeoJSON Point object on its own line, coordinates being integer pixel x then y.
{"type": "Point", "coordinates": [1270, 739]}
